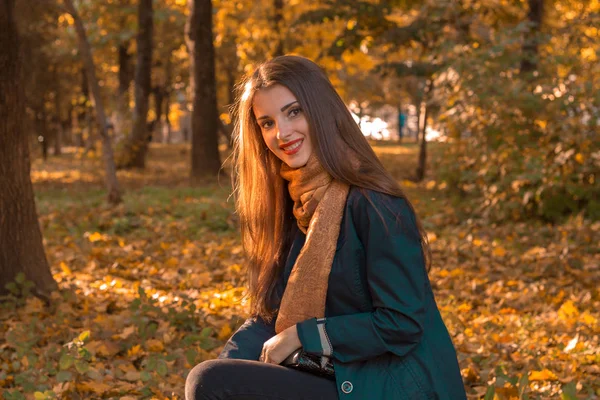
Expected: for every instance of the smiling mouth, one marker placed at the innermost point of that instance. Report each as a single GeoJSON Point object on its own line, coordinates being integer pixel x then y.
{"type": "Point", "coordinates": [293, 146]}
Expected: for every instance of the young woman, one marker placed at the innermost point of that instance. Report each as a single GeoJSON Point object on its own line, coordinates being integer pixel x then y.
{"type": "Point", "coordinates": [337, 257]}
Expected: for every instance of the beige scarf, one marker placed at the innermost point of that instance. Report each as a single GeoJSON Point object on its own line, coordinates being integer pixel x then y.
{"type": "Point", "coordinates": [319, 203]}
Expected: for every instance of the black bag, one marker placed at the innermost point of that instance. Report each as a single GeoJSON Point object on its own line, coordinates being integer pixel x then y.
{"type": "Point", "coordinates": [303, 361]}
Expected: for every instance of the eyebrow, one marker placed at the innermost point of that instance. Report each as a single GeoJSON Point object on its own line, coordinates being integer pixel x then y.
{"type": "Point", "coordinates": [282, 110]}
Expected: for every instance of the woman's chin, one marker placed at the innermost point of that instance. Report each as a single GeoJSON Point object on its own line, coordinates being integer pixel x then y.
{"type": "Point", "coordinates": [297, 162]}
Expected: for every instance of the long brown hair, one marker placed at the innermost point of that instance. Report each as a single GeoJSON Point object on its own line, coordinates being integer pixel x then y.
{"type": "Point", "coordinates": [263, 202]}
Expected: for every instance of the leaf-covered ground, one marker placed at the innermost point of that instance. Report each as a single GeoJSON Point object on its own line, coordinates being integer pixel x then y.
{"type": "Point", "coordinates": [154, 286]}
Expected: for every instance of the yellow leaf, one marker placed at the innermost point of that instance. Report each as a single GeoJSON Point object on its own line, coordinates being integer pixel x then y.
{"type": "Point", "coordinates": [499, 251]}
{"type": "Point", "coordinates": [568, 311]}
{"type": "Point", "coordinates": [95, 237]}
{"type": "Point", "coordinates": [579, 158]}
{"type": "Point", "coordinates": [589, 54]}
{"type": "Point", "coordinates": [154, 345]}
{"type": "Point", "coordinates": [65, 268]}
{"type": "Point", "coordinates": [225, 332]}
{"type": "Point", "coordinates": [543, 375]}
{"type": "Point", "coordinates": [477, 242]}
{"type": "Point", "coordinates": [589, 319]}
{"type": "Point", "coordinates": [432, 237]}
{"type": "Point", "coordinates": [456, 272]}
{"type": "Point", "coordinates": [134, 350]}
{"type": "Point", "coordinates": [84, 336]}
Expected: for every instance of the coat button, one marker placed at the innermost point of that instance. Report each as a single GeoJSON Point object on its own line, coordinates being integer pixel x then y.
{"type": "Point", "coordinates": [347, 387]}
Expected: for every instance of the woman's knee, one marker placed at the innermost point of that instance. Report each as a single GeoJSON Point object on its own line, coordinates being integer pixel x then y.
{"type": "Point", "coordinates": [205, 380]}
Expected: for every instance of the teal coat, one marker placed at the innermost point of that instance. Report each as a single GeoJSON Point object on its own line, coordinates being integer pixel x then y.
{"type": "Point", "coordinates": [387, 337]}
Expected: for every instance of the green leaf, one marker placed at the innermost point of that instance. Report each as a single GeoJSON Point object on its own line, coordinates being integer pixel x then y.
{"type": "Point", "coordinates": [206, 332]}
{"type": "Point", "coordinates": [12, 287]}
{"type": "Point", "coordinates": [490, 393]}
{"type": "Point", "coordinates": [190, 356]}
{"type": "Point", "coordinates": [145, 376]}
{"type": "Point", "coordinates": [523, 384]}
{"type": "Point", "coordinates": [161, 368]}
{"type": "Point", "coordinates": [151, 365]}
{"type": "Point", "coordinates": [13, 396]}
{"type": "Point", "coordinates": [20, 278]}
{"type": "Point", "coordinates": [81, 366]}
{"type": "Point", "coordinates": [64, 376]}
{"type": "Point", "coordinates": [569, 391]}
{"type": "Point", "coordinates": [66, 360]}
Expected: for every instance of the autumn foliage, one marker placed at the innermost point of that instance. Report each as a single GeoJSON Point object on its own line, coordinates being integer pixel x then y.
{"type": "Point", "coordinates": [150, 287]}
{"type": "Point", "coordinates": [156, 285]}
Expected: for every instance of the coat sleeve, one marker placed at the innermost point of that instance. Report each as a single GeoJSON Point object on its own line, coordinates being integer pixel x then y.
{"type": "Point", "coordinates": [247, 342]}
{"type": "Point", "coordinates": [397, 281]}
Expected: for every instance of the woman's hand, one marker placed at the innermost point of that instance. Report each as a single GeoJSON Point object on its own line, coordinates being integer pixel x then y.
{"type": "Point", "coordinates": [276, 349]}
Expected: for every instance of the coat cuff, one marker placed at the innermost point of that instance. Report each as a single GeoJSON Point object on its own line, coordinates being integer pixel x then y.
{"type": "Point", "coordinates": [313, 336]}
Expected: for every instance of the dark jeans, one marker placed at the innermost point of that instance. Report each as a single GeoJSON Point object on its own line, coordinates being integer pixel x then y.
{"type": "Point", "coordinates": [225, 379]}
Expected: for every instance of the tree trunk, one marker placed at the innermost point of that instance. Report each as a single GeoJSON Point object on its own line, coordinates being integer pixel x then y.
{"type": "Point", "coordinates": [168, 120]}
{"type": "Point", "coordinates": [22, 249]}
{"type": "Point", "coordinates": [112, 184]}
{"type": "Point", "coordinates": [122, 115]}
{"type": "Point", "coordinates": [531, 40]}
{"type": "Point", "coordinates": [205, 144]}
{"type": "Point", "coordinates": [423, 114]}
{"type": "Point", "coordinates": [423, 145]}
{"type": "Point", "coordinates": [58, 127]}
{"type": "Point", "coordinates": [134, 154]}
{"type": "Point", "coordinates": [278, 27]}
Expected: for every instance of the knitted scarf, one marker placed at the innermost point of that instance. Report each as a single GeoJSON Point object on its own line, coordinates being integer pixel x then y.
{"type": "Point", "coordinates": [319, 203]}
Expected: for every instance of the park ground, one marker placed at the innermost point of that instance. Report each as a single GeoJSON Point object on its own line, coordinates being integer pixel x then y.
{"type": "Point", "coordinates": [154, 286]}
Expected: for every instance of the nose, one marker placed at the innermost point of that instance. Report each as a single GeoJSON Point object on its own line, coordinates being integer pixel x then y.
{"type": "Point", "coordinates": [284, 131]}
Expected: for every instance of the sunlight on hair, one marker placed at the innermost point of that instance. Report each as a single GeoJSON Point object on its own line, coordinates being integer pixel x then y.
{"type": "Point", "coordinates": [247, 90]}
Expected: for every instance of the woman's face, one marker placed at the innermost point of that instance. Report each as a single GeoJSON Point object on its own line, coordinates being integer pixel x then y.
{"type": "Point", "coordinates": [283, 125]}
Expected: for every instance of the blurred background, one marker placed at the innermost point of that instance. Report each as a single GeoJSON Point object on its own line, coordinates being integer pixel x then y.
{"type": "Point", "coordinates": [510, 85]}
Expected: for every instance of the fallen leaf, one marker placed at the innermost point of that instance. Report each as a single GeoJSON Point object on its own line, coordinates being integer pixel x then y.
{"type": "Point", "coordinates": [543, 375]}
